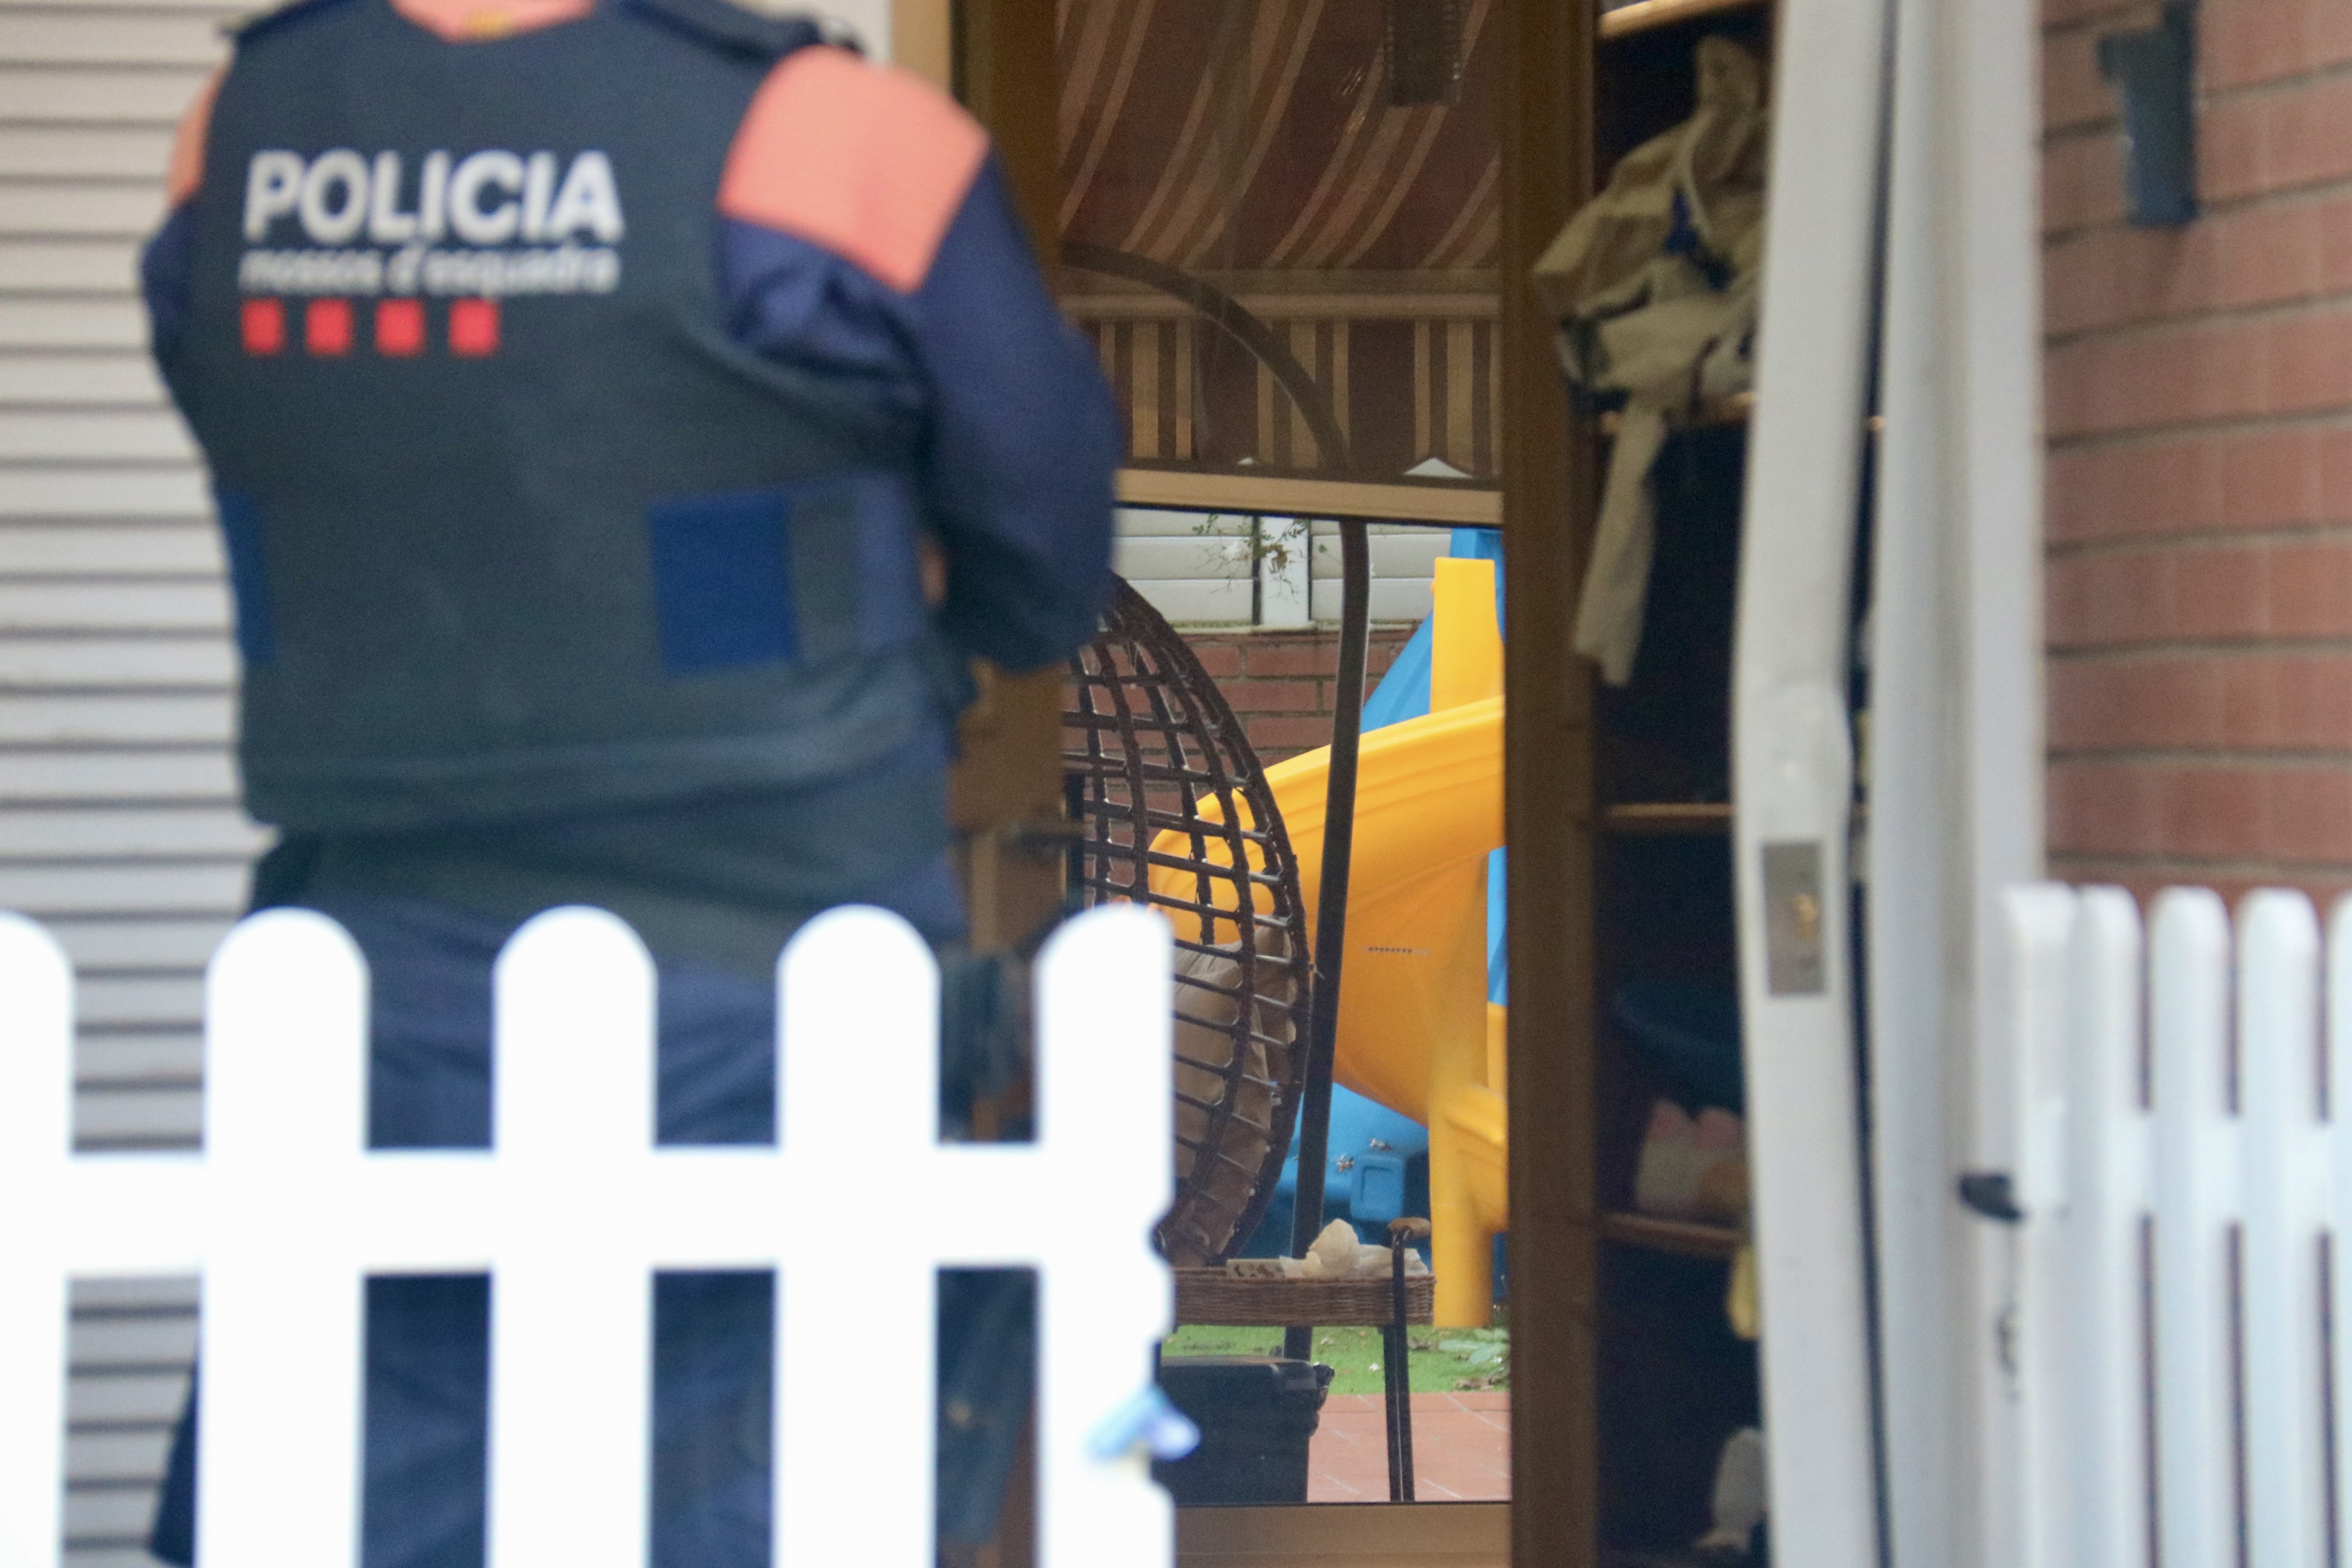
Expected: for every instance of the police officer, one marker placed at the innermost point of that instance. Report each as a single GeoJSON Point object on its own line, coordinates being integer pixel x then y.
{"type": "Point", "coordinates": [625, 416]}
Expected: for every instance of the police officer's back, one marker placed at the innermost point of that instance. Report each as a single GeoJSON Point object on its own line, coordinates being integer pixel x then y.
{"type": "Point", "coordinates": [583, 386]}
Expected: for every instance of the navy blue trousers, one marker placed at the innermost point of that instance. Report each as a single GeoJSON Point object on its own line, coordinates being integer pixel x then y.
{"type": "Point", "coordinates": [426, 1409]}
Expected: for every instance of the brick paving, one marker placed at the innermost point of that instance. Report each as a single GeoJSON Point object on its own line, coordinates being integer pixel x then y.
{"type": "Point", "coordinates": [1461, 1449]}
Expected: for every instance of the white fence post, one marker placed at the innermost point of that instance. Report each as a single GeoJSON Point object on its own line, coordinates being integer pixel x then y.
{"type": "Point", "coordinates": [2337, 1176]}
{"type": "Point", "coordinates": [2023, 1417]}
{"type": "Point", "coordinates": [2106, 1215]}
{"type": "Point", "coordinates": [287, 1212]}
{"type": "Point", "coordinates": [2190, 1072]}
{"type": "Point", "coordinates": [35, 1142]}
{"type": "Point", "coordinates": [2282, 1348]}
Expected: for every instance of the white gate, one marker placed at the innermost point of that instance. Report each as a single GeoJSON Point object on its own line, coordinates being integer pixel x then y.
{"type": "Point", "coordinates": [2178, 1125]}
{"type": "Point", "coordinates": [286, 1211]}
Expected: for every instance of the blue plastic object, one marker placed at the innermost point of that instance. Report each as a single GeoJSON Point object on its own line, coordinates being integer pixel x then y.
{"type": "Point", "coordinates": [1146, 1417]}
{"type": "Point", "coordinates": [1691, 1031]}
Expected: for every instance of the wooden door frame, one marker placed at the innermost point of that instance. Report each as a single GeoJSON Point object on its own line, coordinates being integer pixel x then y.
{"type": "Point", "coordinates": [1549, 467]}
{"type": "Point", "coordinates": [1003, 69]}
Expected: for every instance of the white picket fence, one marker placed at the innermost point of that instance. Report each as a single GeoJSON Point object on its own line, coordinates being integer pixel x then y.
{"type": "Point", "coordinates": [2181, 1108]}
{"type": "Point", "coordinates": [286, 1211]}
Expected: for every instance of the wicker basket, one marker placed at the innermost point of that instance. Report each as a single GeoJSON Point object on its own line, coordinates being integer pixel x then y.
{"type": "Point", "coordinates": [1151, 749]}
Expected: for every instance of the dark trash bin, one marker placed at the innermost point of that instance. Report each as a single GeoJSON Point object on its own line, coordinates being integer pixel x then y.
{"type": "Point", "coordinates": [1256, 1415]}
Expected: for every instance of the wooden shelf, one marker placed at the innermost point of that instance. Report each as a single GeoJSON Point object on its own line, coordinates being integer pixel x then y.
{"type": "Point", "coordinates": [1648, 15]}
{"type": "Point", "coordinates": [1684, 1239]}
{"type": "Point", "coordinates": [1669, 816]}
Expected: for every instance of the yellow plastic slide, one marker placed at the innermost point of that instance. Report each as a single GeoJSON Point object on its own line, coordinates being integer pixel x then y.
{"type": "Point", "coordinates": [1416, 1031]}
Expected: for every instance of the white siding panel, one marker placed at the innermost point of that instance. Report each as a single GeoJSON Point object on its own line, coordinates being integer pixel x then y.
{"type": "Point", "coordinates": [66, 266]}
{"type": "Point", "coordinates": [62, 96]}
{"type": "Point", "coordinates": [47, 777]}
{"type": "Point", "coordinates": [119, 822]}
{"type": "Point", "coordinates": [103, 834]}
{"type": "Point", "coordinates": [72, 663]}
{"type": "Point", "coordinates": [73, 35]}
{"type": "Point", "coordinates": [138, 1000]}
{"type": "Point", "coordinates": [79, 380]}
{"type": "Point", "coordinates": [147, 1116]}
{"type": "Point", "coordinates": [1194, 600]}
{"type": "Point", "coordinates": [84, 152]}
{"type": "Point", "coordinates": [84, 720]}
{"type": "Point", "coordinates": [116, 1455]}
{"type": "Point", "coordinates": [176, 491]}
{"type": "Point", "coordinates": [75, 550]}
{"type": "Point", "coordinates": [134, 1335]}
{"type": "Point", "coordinates": [78, 211]}
{"type": "Point", "coordinates": [135, 606]}
{"type": "Point", "coordinates": [113, 1517]}
{"type": "Point", "coordinates": [107, 323]}
{"type": "Point", "coordinates": [139, 436]}
{"type": "Point", "coordinates": [140, 1058]}
{"type": "Point", "coordinates": [100, 945]}
{"type": "Point", "coordinates": [200, 890]}
{"type": "Point", "coordinates": [126, 1399]}
{"type": "Point", "coordinates": [1209, 560]}
{"type": "Point", "coordinates": [132, 1341]}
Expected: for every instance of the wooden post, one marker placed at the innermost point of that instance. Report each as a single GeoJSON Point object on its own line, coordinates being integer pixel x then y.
{"type": "Point", "coordinates": [1549, 468]}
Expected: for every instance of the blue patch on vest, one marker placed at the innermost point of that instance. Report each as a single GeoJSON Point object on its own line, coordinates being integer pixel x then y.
{"type": "Point", "coordinates": [815, 573]}
{"type": "Point", "coordinates": [241, 521]}
{"type": "Point", "coordinates": [722, 580]}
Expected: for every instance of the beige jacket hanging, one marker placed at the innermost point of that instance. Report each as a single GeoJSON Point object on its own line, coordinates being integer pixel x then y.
{"type": "Point", "coordinates": [1655, 283]}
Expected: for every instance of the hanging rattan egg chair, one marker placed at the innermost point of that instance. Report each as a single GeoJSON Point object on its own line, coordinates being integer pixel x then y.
{"type": "Point", "coordinates": [1174, 811]}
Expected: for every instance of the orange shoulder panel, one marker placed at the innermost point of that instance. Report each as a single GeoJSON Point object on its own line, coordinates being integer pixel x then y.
{"type": "Point", "coordinates": [185, 172]}
{"type": "Point", "coordinates": [869, 162]}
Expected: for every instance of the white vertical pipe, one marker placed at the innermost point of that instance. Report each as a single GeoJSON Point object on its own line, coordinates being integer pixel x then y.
{"type": "Point", "coordinates": [2189, 1009]}
{"type": "Point", "coordinates": [36, 1144]}
{"type": "Point", "coordinates": [2278, 1046]}
{"type": "Point", "coordinates": [571, 1298]}
{"type": "Point", "coordinates": [280, 1335]}
{"type": "Point", "coordinates": [2031, 1415]}
{"type": "Point", "coordinates": [2107, 1203]}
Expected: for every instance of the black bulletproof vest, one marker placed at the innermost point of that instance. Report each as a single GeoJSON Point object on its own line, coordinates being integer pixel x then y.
{"type": "Point", "coordinates": [515, 528]}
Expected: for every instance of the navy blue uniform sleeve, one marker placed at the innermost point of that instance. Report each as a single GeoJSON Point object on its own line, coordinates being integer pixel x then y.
{"type": "Point", "coordinates": [1023, 442]}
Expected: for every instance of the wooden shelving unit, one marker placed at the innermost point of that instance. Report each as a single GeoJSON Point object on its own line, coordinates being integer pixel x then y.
{"type": "Point", "coordinates": [1676, 1378]}
{"type": "Point", "coordinates": [1647, 16]}
{"type": "Point", "coordinates": [1683, 1238]}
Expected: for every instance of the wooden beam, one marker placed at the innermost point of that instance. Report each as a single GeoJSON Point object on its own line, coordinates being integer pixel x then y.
{"type": "Point", "coordinates": [1648, 15]}
{"type": "Point", "coordinates": [1460, 506]}
{"type": "Point", "coordinates": [1548, 490]}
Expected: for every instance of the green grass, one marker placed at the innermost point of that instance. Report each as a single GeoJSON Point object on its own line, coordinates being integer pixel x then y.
{"type": "Point", "coordinates": [1441, 1358]}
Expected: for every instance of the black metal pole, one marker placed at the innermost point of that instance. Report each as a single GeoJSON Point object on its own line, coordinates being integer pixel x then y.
{"type": "Point", "coordinates": [1400, 1353]}
{"type": "Point", "coordinates": [1331, 900]}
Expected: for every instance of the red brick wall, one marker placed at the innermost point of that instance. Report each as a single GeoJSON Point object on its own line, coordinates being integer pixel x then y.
{"type": "Point", "coordinates": [1280, 683]}
{"type": "Point", "coordinates": [2199, 411]}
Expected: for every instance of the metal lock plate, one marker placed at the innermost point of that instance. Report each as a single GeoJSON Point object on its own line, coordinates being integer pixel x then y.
{"type": "Point", "coordinates": [1794, 956]}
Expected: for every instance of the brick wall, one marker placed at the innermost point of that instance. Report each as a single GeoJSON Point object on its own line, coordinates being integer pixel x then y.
{"type": "Point", "coordinates": [1280, 683]}
{"type": "Point", "coordinates": [2200, 412]}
